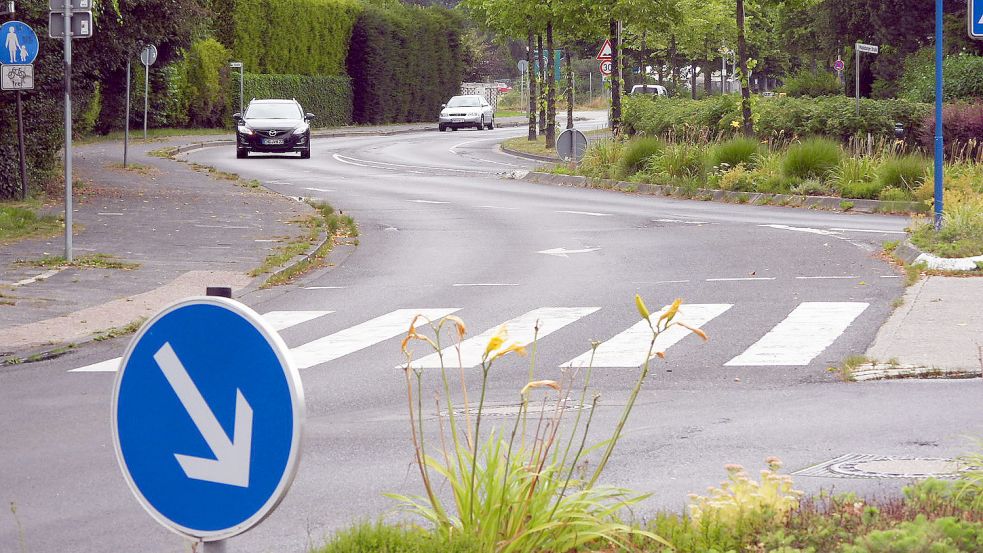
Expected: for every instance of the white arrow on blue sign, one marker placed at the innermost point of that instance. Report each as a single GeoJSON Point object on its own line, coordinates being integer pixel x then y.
{"type": "Point", "coordinates": [975, 12]}
{"type": "Point", "coordinates": [20, 43]}
{"type": "Point", "coordinates": [207, 416]}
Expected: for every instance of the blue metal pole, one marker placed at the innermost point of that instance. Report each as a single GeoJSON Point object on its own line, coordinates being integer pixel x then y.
{"type": "Point", "coordinates": [938, 115]}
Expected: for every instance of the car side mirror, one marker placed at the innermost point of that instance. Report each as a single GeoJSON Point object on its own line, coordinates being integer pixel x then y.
{"type": "Point", "coordinates": [237, 116]}
{"type": "Point", "coordinates": [309, 116]}
{"type": "Point", "coordinates": [442, 106]}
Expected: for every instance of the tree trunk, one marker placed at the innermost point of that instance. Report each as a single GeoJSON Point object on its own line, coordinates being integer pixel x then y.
{"type": "Point", "coordinates": [641, 55]}
{"type": "Point", "coordinates": [550, 88]}
{"type": "Point", "coordinates": [660, 71]}
{"type": "Point", "coordinates": [742, 60]}
{"type": "Point", "coordinates": [570, 95]}
{"type": "Point", "coordinates": [692, 89]}
{"type": "Point", "coordinates": [674, 71]}
{"type": "Point", "coordinates": [615, 78]}
{"type": "Point", "coordinates": [530, 75]}
{"type": "Point", "coordinates": [542, 86]}
{"type": "Point", "coordinates": [707, 77]}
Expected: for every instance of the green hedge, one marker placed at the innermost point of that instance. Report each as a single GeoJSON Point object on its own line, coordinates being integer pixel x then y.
{"type": "Point", "coordinates": [832, 116]}
{"type": "Point", "coordinates": [404, 62]}
{"type": "Point", "coordinates": [206, 84]}
{"type": "Point", "coordinates": [329, 98]}
{"type": "Point", "coordinates": [298, 37]}
{"type": "Point", "coordinates": [963, 76]}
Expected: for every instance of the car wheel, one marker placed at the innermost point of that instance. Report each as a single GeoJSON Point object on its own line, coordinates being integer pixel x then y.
{"type": "Point", "coordinates": [242, 153]}
{"type": "Point", "coordinates": [441, 128]}
{"type": "Point", "coordinates": [491, 124]}
{"type": "Point", "coordinates": [454, 129]}
{"type": "Point", "coordinates": [481, 124]}
{"type": "Point", "coordinates": [305, 154]}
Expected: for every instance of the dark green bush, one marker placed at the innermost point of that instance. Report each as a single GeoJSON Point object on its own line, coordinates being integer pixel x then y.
{"type": "Point", "coordinates": [809, 83]}
{"type": "Point", "coordinates": [676, 116]}
{"type": "Point", "coordinates": [904, 173]}
{"type": "Point", "coordinates": [637, 153]}
{"type": "Point", "coordinates": [812, 158]}
{"type": "Point", "coordinates": [963, 77]}
{"type": "Point", "coordinates": [942, 535]}
{"type": "Point", "coordinates": [678, 161]}
{"type": "Point", "coordinates": [735, 151]}
{"type": "Point", "coordinates": [297, 37]}
{"type": "Point", "coordinates": [404, 61]}
{"type": "Point", "coordinates": [329, 98]}
{"type": "Point", "coordinates": [894, 195]}
{"type": "Point", "coordinates": [861, 190]}
{"type": "Point", "coordinates": [206, 84]}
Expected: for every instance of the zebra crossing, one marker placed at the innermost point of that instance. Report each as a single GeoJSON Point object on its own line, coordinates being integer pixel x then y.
{"type": "Point", "coordinates": [808, 330]}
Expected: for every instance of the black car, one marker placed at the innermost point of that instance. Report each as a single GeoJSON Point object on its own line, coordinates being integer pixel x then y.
{"type": "Point", "coordinates": [273, 126]}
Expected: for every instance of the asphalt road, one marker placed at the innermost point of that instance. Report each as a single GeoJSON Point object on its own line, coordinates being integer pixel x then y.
{"type": "Point", "coordinates": [783, 294]}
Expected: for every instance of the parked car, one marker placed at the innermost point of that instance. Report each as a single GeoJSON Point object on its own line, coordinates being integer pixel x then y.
{"type": "Point", "coordinates": [276, 126]}
{"type": "Point", "coordinates": [466, 111]}
{"type": "Point", "coordinates": [652, 89]}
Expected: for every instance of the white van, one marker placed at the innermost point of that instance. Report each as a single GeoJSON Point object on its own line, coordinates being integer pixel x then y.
{"type": "Point", "coordinates": [653, 89]}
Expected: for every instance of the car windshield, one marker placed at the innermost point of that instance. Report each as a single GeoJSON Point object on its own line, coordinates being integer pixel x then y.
{"type": "Point", "coordinates": [273, 111]}
{"type": "Point", "coordinates": [464, 102]}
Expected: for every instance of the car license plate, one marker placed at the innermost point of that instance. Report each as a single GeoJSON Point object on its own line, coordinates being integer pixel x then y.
{"type": "Point", "coordinates": [458, 120]}
{"type": "Point", "coordinates": [272, 141]}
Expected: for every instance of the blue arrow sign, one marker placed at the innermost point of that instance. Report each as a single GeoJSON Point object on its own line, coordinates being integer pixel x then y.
{"type": "Point", "coordinates": [207, 416]}
{"type": "Point", "coordinates": [976, 18]}
{"type": "Point", "coordinates": [20, 43]}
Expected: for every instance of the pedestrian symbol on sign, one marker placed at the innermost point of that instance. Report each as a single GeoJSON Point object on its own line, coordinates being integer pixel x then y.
{"type": "Point", "coordinates": [20, 43]}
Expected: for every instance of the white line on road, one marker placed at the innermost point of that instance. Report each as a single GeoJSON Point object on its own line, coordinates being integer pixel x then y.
{"type": "Point", "coordinates": [738, 279]}
{"type": "Point", "coordinates": [662, 282]}
{"type": "Point", "coordinates": [681, 221]}
{"type": "Point", "coordinates": [45, 275]}
{"type": "Point", "coordinates": [591, 213]}
{"type": "Point", "coordinates": [323, 288]}
{"type": "Point", "coordinates": [803, 229]}
{"type": "Point", "coordinates": [427, 202]}
{"type": "Point", "coordinates": [629, 348]}
{"type": "Point", "coordinates": [222, 226]}
{"type": "Point", "coordinates": [108, 213]}
{"type": "Point", "coordinates": [869, 230]}
{"type": "Point", "coordinates": [386, 165]}
{"type": "Point", "coordinates": [363, 335]}
{"type": "Point", "coordinates": [485, 284]}
{"type": "Point", "coordinates": [825, 277]}
{"type": "Point", "coordinates": [890, 276]}
{"type": "Point", "coordinates": [808, 330]}
{"type": "Point", "coordinates": [319, 189]}
{"type": "Point", "coordinates": [522, 331]}
{"type": "Point", "coordinates": [496, 207]}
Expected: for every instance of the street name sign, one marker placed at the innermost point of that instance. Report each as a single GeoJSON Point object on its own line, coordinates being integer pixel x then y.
{"type": "Point", "coordinates": [207, 415]}
{"type": "Point", "coordinates": [605, 53]}
{"type": "Point", "coordinates": [16, 77]}
{"type": "Point", "coordinates": [235, 65]}
{"type": "Point", "coordinates": [20, 43]}
{"type": "Point", "coordinates": [81, 25]}
{"type": "Point", "coordinates": [867, 48]}
{"type": "Point", "coordinates": [975, 12]}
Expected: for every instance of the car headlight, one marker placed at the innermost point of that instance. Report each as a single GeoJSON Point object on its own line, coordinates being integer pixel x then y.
{"type": "Point", "coordinates": [245, 130]}
{"type": "Point", "coordinates": [301, 129]}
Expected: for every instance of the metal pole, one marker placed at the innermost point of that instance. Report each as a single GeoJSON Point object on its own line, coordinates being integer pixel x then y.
{"type": "Point", "coordinates": [723, 71]}
{"type": "Point", "coordinates": [939, 151]}
{"type": "Point", "coordinates": [126, 131]}
{"type": "Point", "coordinates": [241, 71]}
{"type": "Point", "coordinates": [23, 154]}
{"type": "Point", "coordinates": [856, 83]}
{"type": "Point", "coordinates": [214, 547]}
{"type": "Point", "coordinates": [68, 131]}
{"type": "Point", "coordinates": [590, 86]}
{"type": "Point", "coordinates": [146, 96]}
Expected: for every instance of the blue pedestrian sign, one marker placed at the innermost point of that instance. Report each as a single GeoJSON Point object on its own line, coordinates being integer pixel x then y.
{"type": "Point", "coordinates": [207, 416]}
{"type": "Point", "coordinates": [20, 43]}
{"type": "Point", "coordinates": [975, 18]}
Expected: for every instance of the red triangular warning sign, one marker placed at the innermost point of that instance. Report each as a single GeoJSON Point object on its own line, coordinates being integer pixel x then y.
{"type": "Point", "coordinates": [605, 53]}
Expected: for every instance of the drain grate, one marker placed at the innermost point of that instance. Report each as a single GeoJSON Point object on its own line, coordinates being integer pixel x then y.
{"type": "Point", "coordinates": [859, 465]}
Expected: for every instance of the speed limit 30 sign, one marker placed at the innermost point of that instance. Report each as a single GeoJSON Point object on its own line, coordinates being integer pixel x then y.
{"type": "Point", "coordinates": [606, 68]}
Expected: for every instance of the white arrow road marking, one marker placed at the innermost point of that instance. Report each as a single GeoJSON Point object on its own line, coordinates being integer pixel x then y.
{"type": "Point", "coordinates": [808, 330]}
{"type": "Point", "coordinates": [628, 349]}
{"type": "Point", "coordinates": [591, 213]}
{"type": "Point", "coordinates": [231, 463]}
{"type": "Point", "coordinates": [427, 202]}
{"type": "Point", "coordinates": [522, 331]}
{"type": "Point", "coordinates": [804, 229]}
{"type": "Point", "coordinates": [562, 252]}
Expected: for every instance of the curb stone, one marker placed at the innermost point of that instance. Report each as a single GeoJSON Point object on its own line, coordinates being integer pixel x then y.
{"type": "Point", "coordinates": [883, 371]}
{"type": "Point", "coordinates": [526, 155]}
{"type": "Point", "coordinates": [912, 255]}
{"type": "Point", "coordinates": [755, 198]}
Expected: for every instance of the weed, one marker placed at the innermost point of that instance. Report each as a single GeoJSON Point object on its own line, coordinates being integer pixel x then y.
{"type": "Point", "coordinates": [812, 187]}
{"type": "Point", "coordinates": [914, 272]}
{"type": "Point", "coordinates": [861, 190]}
{"type": "Point", "coordinates": [897, 302]}
{"type": "Point", "coordinates": [734, 152]}
{"type": "Point", "coordinates": [846, 206]}
{"type": "Point", "coordinates": [846, 369]}
{"type": "Point", "coordinates": [166, 153]}
{"type": "Point", "coordinates": [636, 154]}
{"type": "Point", "coordinates": [812, 158]}
{"type": "Point", "coordinates": [891, 245]}
{"type": "Point", "coordinates": [905, 173]}
{"type": "Point", "coordinates": [139, 168]}
{"type": "Point", "coordinates": [21, 220]}
{"type": "Point", "coordinates": [89, 261]}
{"type": "Point", "coordinates": [118, 331]}
{"type": "Point", "coordinates": [676, 161]}
{"type": "Point", "coordinates": [894, 195]}
{"type": "Point", "coordinates": [378, 537]}
{"type": "Point", "coordinates": [854, 172]}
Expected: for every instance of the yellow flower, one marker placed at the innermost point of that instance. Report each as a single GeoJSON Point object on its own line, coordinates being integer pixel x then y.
{"type": "Point", "coordinates": [735, 123]}
{"type": "Point", "coordinates": [496, 341]}
{"type": "Point", "coordinates": [540, 384]}
{"type": "Point", "coordinates": [521, 350]}
{"type": "Point", "coordinates": [671, 312]}
{"type": "Point", "coordinates": [642, 310]}
{"type": "Point", "coordinates": [459, 324]}
{"type": "Point", "coordinates": [694, 330]}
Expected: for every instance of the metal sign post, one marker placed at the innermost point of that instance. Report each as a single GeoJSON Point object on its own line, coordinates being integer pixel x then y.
{"type": "Point", "coordinates": [17, 73]}
{"type": "Point", "coordinates": [238, 65]}
{"type": "Point", "coordinates": [147, 57]}
{"type": "Point", "coordinates": [126, 128]}
{"type": "Point", "coordinates": [867, 49]}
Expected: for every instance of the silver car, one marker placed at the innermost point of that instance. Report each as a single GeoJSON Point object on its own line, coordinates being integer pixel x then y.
{"type": "Point", "coordinates": [467, 111]}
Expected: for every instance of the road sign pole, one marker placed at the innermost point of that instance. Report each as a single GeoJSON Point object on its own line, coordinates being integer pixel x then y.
{"type": "Point", "coordinates": [214, 547]}
{"type": "Point", "coordinates": [939, 151]}
{"type": "Point", "coordinates": [241, 71]}
{"type": "Point", "coordinates": [146, 97]}
{"type": "Point", "coordinates": [856, 83]}
{"type": "Point", "coordinates": [68, 131]}
{"type": "Point", "coordinates": [126, 131]}
{"type": "Point", "coordinates": [23, 155]}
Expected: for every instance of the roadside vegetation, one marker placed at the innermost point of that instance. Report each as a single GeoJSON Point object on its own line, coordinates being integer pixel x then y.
{"type": "Point", "coordinates": [20, 220]}
{"type": "Point", "coordinates": [534, 483]}
{"type": "Point", "coordinates": [87, 261]}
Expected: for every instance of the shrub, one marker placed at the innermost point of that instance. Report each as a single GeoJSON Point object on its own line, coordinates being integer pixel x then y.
{"type": "Point", "coordinates": [905, 173]}
{"type": "Point", "coordinates": [207, 84]}
{"type": "Point", "coordinates": [853, 172]}
{"type": "Point", "coordinates": [735, 151]}
{"type": "Point", "coordinates": [809, 83]}
{"type": "Point", "coordinates": [943, 535]}
{"type": "Point", "coordinates": [811, 158]}
{"type": "Point", "coordinates": [812, 187]}
{"type": "Point", "coordinates": [637, 153]}
{"type": "Point", "coordinates": [963, 77]}
{"type": "Point", "coordinates": [894, 195]}
{"type": "Point", "coordinates": [962, 126]}
{"type": "Point", "coordinates": [329, 98]}
{"type": "Point", "coordinates": [601, 159]}
{"type": "Point", "coordinates": [738, 179]}
{"type": "Point", "coordinates": [404, 62]}
{"type": "Point", "coordinates": [962, 229]}
{"type": "Point", "coordinates": [861, 190]}
{"type": "Point", "coordinates": [678, 161]}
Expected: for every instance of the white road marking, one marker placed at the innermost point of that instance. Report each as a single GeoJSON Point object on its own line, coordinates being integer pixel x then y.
{"type": "Point", "coordinates": [222, 226]}
{"type": "Point", "coordinates": [361, 336]}
{"type": "Point", "coordinates": [339, 159]}
{"type": "Point", "coordinates": [825, 277]}
{"type": "Point", "coordinates": [738, 279]}
{"type": "Point", "coordinates": [804, 229]}
{"type": "Point", "coordinates": [663, 282]}
{"type": "Point", "coordinates": [107, 213]}
{"type": "Point", "coordinates": [521, 331]}
{"type": "Point", "coordinates": [107, 366]}
{"type": "Point", "coordinates": [485, 284]}
{"type": "Point", "coordinates": [496, 207]}
{"type": "Point", "coordinates": [265, 240]}
{"type": "Point", "coordinates": [590, 213]}
{"type": "Point", "coordinates": [869, 230]}
{"type": "Point", "coordinates": [890, 276]}
{"type": "Point", "coordinates": [808, 330]}
{"type": "Point", "coordinates": [45, 275]}
{"type": "Point", "coordinates": [562, 252]}
{"type": "Point", "coordinates": [629, 348]}
{"type": "Point", "coordinates": [281, 320]}
{"type": "Point", "coordinates": [323, 288]}
{"type": "Point", "coordinates": [427, 202]}
{"type": "Point", "coordinates": [424, 170]}
{"type": "Point", "coordinates": [319, 189]}
{"type": "Point", "coordinates": [681, 221]}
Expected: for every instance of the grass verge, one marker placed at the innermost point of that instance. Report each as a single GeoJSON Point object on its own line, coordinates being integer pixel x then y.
{"type": "Point", "coordinates": [20, 220]}
{"type": "Point", "coordinates": [89, 261]}
{"type": "Point", "coordinates": [152, 134]}
{"type": "Point", "coordinates": [950, 241]}
{"type": "Point", "coordinates": [526, 146]}
{"type": "Point", "coordinates": [336, 226]}
{"type": "Point", "coordinates": [139, 168]}
{"type": "Point", "coordinates": [118, 331]}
